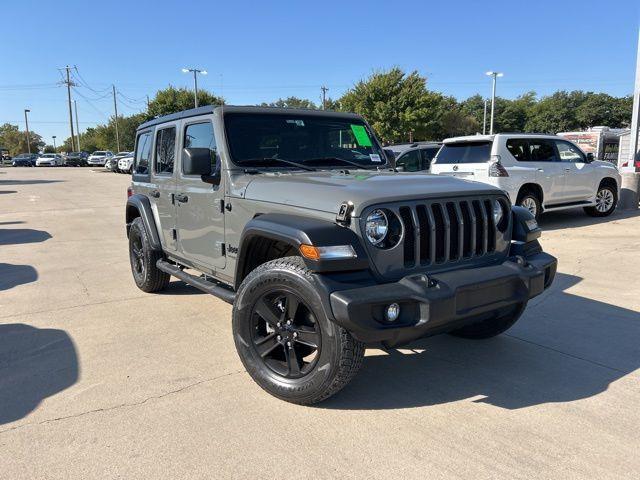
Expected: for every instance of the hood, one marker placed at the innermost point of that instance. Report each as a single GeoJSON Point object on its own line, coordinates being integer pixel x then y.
{"type": "Point", "coordinates": [326, 190]}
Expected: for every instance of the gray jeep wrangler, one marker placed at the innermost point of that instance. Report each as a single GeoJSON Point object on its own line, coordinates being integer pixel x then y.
{"type": "Point", "coordinates": [297, 218]}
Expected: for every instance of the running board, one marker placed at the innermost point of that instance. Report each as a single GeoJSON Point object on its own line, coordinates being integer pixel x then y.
{"type": "Point", "coordinates": [206, 286]}
{"type": "Point", "coordinates": [582, 203]}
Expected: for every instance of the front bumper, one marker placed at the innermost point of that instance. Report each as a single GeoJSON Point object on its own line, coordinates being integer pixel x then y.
{"type": "Point", "coordinates": [432, 304]}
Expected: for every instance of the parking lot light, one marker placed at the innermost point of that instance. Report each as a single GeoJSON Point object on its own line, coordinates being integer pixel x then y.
{"type": "Point", "coordinates": [494, 75]}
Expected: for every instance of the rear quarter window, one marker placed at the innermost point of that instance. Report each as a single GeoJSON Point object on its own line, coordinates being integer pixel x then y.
{"type": "Point", "coordinates": [464, 152]}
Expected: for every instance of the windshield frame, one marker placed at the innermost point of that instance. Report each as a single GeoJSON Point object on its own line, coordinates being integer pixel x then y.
{"type": "Point", "coordinates": [376, 147]}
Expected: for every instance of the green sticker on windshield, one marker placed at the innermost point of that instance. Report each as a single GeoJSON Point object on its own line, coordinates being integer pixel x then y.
{"type": "Point", "coordinates": [362, 137]}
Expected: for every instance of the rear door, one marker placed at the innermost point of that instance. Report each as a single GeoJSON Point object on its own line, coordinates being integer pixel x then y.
{"type": "Point", "coordinates": [463, 159]}
{"type": "Point", "coordinates": [198, 204]}
{"type": "Point", "coordinates": [580, 178]}
{"type": "Point", "coordinates": [549, 171]}
{"type": "Point", "coordinates": [164, 179]}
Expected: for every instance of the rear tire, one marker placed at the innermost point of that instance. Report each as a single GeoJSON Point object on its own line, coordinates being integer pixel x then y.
{"type": "Point", "coordinates": [143, 260]}
{"type": "Point", "coordinates": [284, 339]}
{"type": "Point", "coordinates": [606, 201]}
{"type": "Point", "coordinates": [493, 326]}
{"type": "Point", "coordinates": [530, 201]}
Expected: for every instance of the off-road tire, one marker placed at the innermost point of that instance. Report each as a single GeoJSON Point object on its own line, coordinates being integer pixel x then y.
{"type": "Point", "coordinates": [148, 279]}
{"type": "Point", "coordinates": [528, 195]}
{"type": "Point", "coordinates": [339, 358]}
{"type": "Point", "coordinates": [498, 323]}
{"type": "Point", "coordinates": [594, 212]}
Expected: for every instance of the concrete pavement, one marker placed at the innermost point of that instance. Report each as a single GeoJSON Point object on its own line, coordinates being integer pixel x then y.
{"type": "Point", "coordinates": [100, 380]}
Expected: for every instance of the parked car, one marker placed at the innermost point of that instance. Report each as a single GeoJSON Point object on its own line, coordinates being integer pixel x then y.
{"type": "Point", "coordinates": [5, 158]}
{"type": "Point", "coordinates": [414, 157]}
{"type": "Point", "coordinates": [76, 159]}
{"type": "Point", "coordinates": [539, 172]}
{"type": "Point", "coordinates": [99, 157]}
{"type": "Point", "coordinates": [25, 160]}
{"type": "Point", "coordinates": [112, 163]}
{"type": "Point", "coordinates": [125, 163]}
{"type": "Point", "coordinates": [49, 160]}
{"type": "Point", "coordinates": [295, 218]}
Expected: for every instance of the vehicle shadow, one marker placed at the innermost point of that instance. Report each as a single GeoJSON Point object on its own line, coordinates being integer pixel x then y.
{"type": "Point", "coordinates": [16, 222]}
{"type": "Point", "coordinates": [178, 287]}
{"type": "Point", "coordinates": [27, 182]}
{"type": "Point", "coordinates": [14, 275]}
{"type": "Point", "coordinates": [4, 192]}
{"type": "Point", "coordinates": [34, 364]}
{"type": "Point", "coordinates": [563, 349]}
{"type": "Point", "coordinates": [16, 236]}
{"type": "Point", "coordinates": [573, 218]}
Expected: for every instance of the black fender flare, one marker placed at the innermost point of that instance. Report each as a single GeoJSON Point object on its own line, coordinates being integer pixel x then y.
{"type": "Point", "coordinates": [297, 230]}
{"type": "Point", "coordinates": [522, 231]}
{"type": "Point", "coordinates": [141, 204]}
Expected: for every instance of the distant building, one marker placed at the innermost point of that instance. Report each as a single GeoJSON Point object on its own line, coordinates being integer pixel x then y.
{"type": "Point", "coordinates": [603, 142]}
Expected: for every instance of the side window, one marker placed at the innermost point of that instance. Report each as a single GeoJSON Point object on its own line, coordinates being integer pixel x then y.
{"type": "Point", "coordinates": [519, 148]}
{"type": "Point", "coordinates": [427, 155]}
{"type": "Point", "coordinates": [569, 152]}
{"type": "Point", "coordinates": [542, 150]}
{"type": "Point", "coordinates": [165, 150]}
{"type": "Point", "coordinates": [200, 135]}
{"type": "Point", "coordinates": [143, 153]}
{"type": "Point", "coordinates": [410, 161]}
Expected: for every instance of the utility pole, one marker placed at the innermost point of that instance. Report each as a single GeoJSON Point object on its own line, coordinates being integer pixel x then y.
{"type": "Point", "coordinates": [635, 118]}
{"type": "Point", "coordinates": [195, 72]}
{"type": "Point", "coordinates": [26, 122]}
{"type": "Point", "coordinates": [75, 107]}
{"type": "Point", "coordinates": [148, 103]}
{"type": "Point", "coordinates": [493, 97]}
{"type": "Point", "coordinates": [484, 118]}
{"type": "Point", "coordinates": [54, 144]}
{"type": "Point", "coordinates": [115, 108]}
{"type": "Point", "coordinates": [324, 96]}
{"type": "Point", "coordinates": [69, 83]}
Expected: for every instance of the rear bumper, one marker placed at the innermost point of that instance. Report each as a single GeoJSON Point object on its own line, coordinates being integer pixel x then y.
{"type": "Point", "coordinates": [432, 304]}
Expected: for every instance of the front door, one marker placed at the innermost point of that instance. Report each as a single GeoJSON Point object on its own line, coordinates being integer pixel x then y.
{"type": "Point", "coordinates": [199, 205]}
{"type": "Point", "coordinates": [163, 180]}
{"type": "Point", "coordinates": [579, 182]}
{"type": "Point", "coordinates": [549, 171]}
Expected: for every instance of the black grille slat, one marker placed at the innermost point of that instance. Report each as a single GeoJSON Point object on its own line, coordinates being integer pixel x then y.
{"type": "Point", "coordinates": [440, 233]}
{"type": "Point", "coordinates": [409, 237]}
{"type": "Point", "coordinates": [469, 237]}
{"type": "Point", "coordinates": [425, 235]}
{"type": "Point", "coordinates": [481, 214]}
{"type": "Point", "coordinates": [432, 235]}
{"type": "Point", "coordinates": [454, 229]}
{"type": "Point", "coordinates": [462, 230]}
{"type": "Point", "coordinates": [491, 237]}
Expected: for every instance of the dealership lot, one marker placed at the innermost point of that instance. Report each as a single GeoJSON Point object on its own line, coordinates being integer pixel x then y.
{"type": "Point", "coordinates": [99, 380]}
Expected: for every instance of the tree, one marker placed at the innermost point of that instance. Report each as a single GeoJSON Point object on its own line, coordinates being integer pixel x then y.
{"type": "Point", "coordinates": [291, 102]}
{"type": "Point", "coordinates": [512, 115]}
{"type": "Point", "coordinates": [15, 140]}
{"type": "Point", "coordinates": [172, 100]}
{"type": "Point", "coordinates": [49, 149]}
{"type": "Point", "coordinates": [555, 113]}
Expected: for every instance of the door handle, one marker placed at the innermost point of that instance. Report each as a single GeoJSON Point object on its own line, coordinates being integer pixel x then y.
{"type": "Point", "coordinates": [567, 169]}
{"type": "Point", "coordinates": [155, 193]}
{"type": "Point", "coordinates": [541, 169]}
{"type": "Point", "coordinates": [182, 198]}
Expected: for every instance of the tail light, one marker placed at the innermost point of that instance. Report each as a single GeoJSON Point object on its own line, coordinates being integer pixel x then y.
{"type": "Point", "coordinates": [496, 169]}
{"type": "Point", "coordinates": [129, 191]}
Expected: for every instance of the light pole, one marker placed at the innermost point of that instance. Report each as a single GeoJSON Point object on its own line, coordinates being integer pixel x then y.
{"type": "Point", "coordinates": [195, 72]}
{"type": "Point", "coordinates": [493, 97]}
{"type": "Point", "coordinates": [484, 118]}
{"type": "Point", "coordinates": [26, 122]}
{"type": "Point", "coordinates": [54, 144]}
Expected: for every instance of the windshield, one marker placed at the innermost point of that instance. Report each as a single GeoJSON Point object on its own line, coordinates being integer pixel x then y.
{"type": "Point", "coordinates": [100, 154]}
{"type": "Point", "coordinates": [316, 141]}
{"type": "Point", "coordinates": [464, 152]}
{"type": "Point", "coordinates": [49, 155]}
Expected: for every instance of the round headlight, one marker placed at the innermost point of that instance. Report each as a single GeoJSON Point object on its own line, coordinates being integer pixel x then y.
{"type": "Point", "coordinates": [498, 212]}
{"type": "Point", "coordinates": [376, 227]}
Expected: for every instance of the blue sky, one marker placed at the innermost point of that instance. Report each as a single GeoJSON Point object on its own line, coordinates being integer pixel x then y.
{"type": "Point", "coordinates": [260, 51]}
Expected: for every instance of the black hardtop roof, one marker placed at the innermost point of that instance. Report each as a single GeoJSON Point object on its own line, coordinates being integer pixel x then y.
{"type": "Point", "coordinates": [208, 109]}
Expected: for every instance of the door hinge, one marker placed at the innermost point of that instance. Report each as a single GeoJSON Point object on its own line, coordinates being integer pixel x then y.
{"type": "Point", "coordinates": [174, 234]}
{"type": "Point", "coordinates": [222, 205]}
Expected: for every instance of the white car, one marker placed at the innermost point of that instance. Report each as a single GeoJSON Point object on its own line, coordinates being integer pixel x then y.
{"type": "Point", "coordinates": [125, 163]}
{"type": "Point", "coordinates": [49, 160]}
{"type": "Point", "coordinates": [539, 172]}
{"type": "Point", "coordinates": [99, 157]}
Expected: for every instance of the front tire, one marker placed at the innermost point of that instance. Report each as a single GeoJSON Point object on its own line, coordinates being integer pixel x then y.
{"type": "Point", "coordinates": [496, 324]}
{"type": "Point", "coordinates": [143, 260]}
{"type": "Point", "coordinates": [531, 202]}
{"type": "Point", "coordinates": [606, 201]}
{"type": "Point", "coordinates": [284, 339]}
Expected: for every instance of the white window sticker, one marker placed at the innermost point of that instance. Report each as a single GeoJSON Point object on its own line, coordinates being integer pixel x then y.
{"type": "Point", "coordinates": [375, 157]}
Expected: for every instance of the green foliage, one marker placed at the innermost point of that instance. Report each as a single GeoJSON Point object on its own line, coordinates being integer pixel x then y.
{"type": "Point", "coordinates": [291, 102]}
{"type": "Point", "coordinates": [49, 149]}
{"type": "Point", "coordinates": [172, 100]}
{"type": "Point", "coordinates": [15, 140]}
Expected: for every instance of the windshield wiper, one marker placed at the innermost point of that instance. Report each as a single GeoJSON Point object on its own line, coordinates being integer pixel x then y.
{"type": "Point", "coordinates": [279, 160]}
{"type": "Point", "coordinates": [348, 162]}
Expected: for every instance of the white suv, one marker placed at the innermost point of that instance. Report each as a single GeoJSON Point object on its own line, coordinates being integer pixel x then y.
{"type": "Point", "coordinates": [539, 172]}
{"type": "Point", "coordinates": [99, 157]}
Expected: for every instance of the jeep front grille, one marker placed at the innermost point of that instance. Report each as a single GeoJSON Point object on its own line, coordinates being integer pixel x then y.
{"type": "Point", "coordinates": [441, 234]}
{"type": "Point", "coordinates": [447, 231]}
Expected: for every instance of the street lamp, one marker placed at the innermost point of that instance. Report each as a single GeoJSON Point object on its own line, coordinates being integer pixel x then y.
{"type": "Point", "coordinates": [195, 72]}
{"type": "Point", "coordinates": [54, 143]}
{"type": "Point", "coordinates": [26, 122]}
{"type": "Point", "coordinates": [493, 96]}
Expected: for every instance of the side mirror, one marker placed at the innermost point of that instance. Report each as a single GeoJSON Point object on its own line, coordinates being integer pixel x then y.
{"type": "Point", "coordinates": [197, 161]}
{"type": "Point", "coordinates": [590, 157]}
